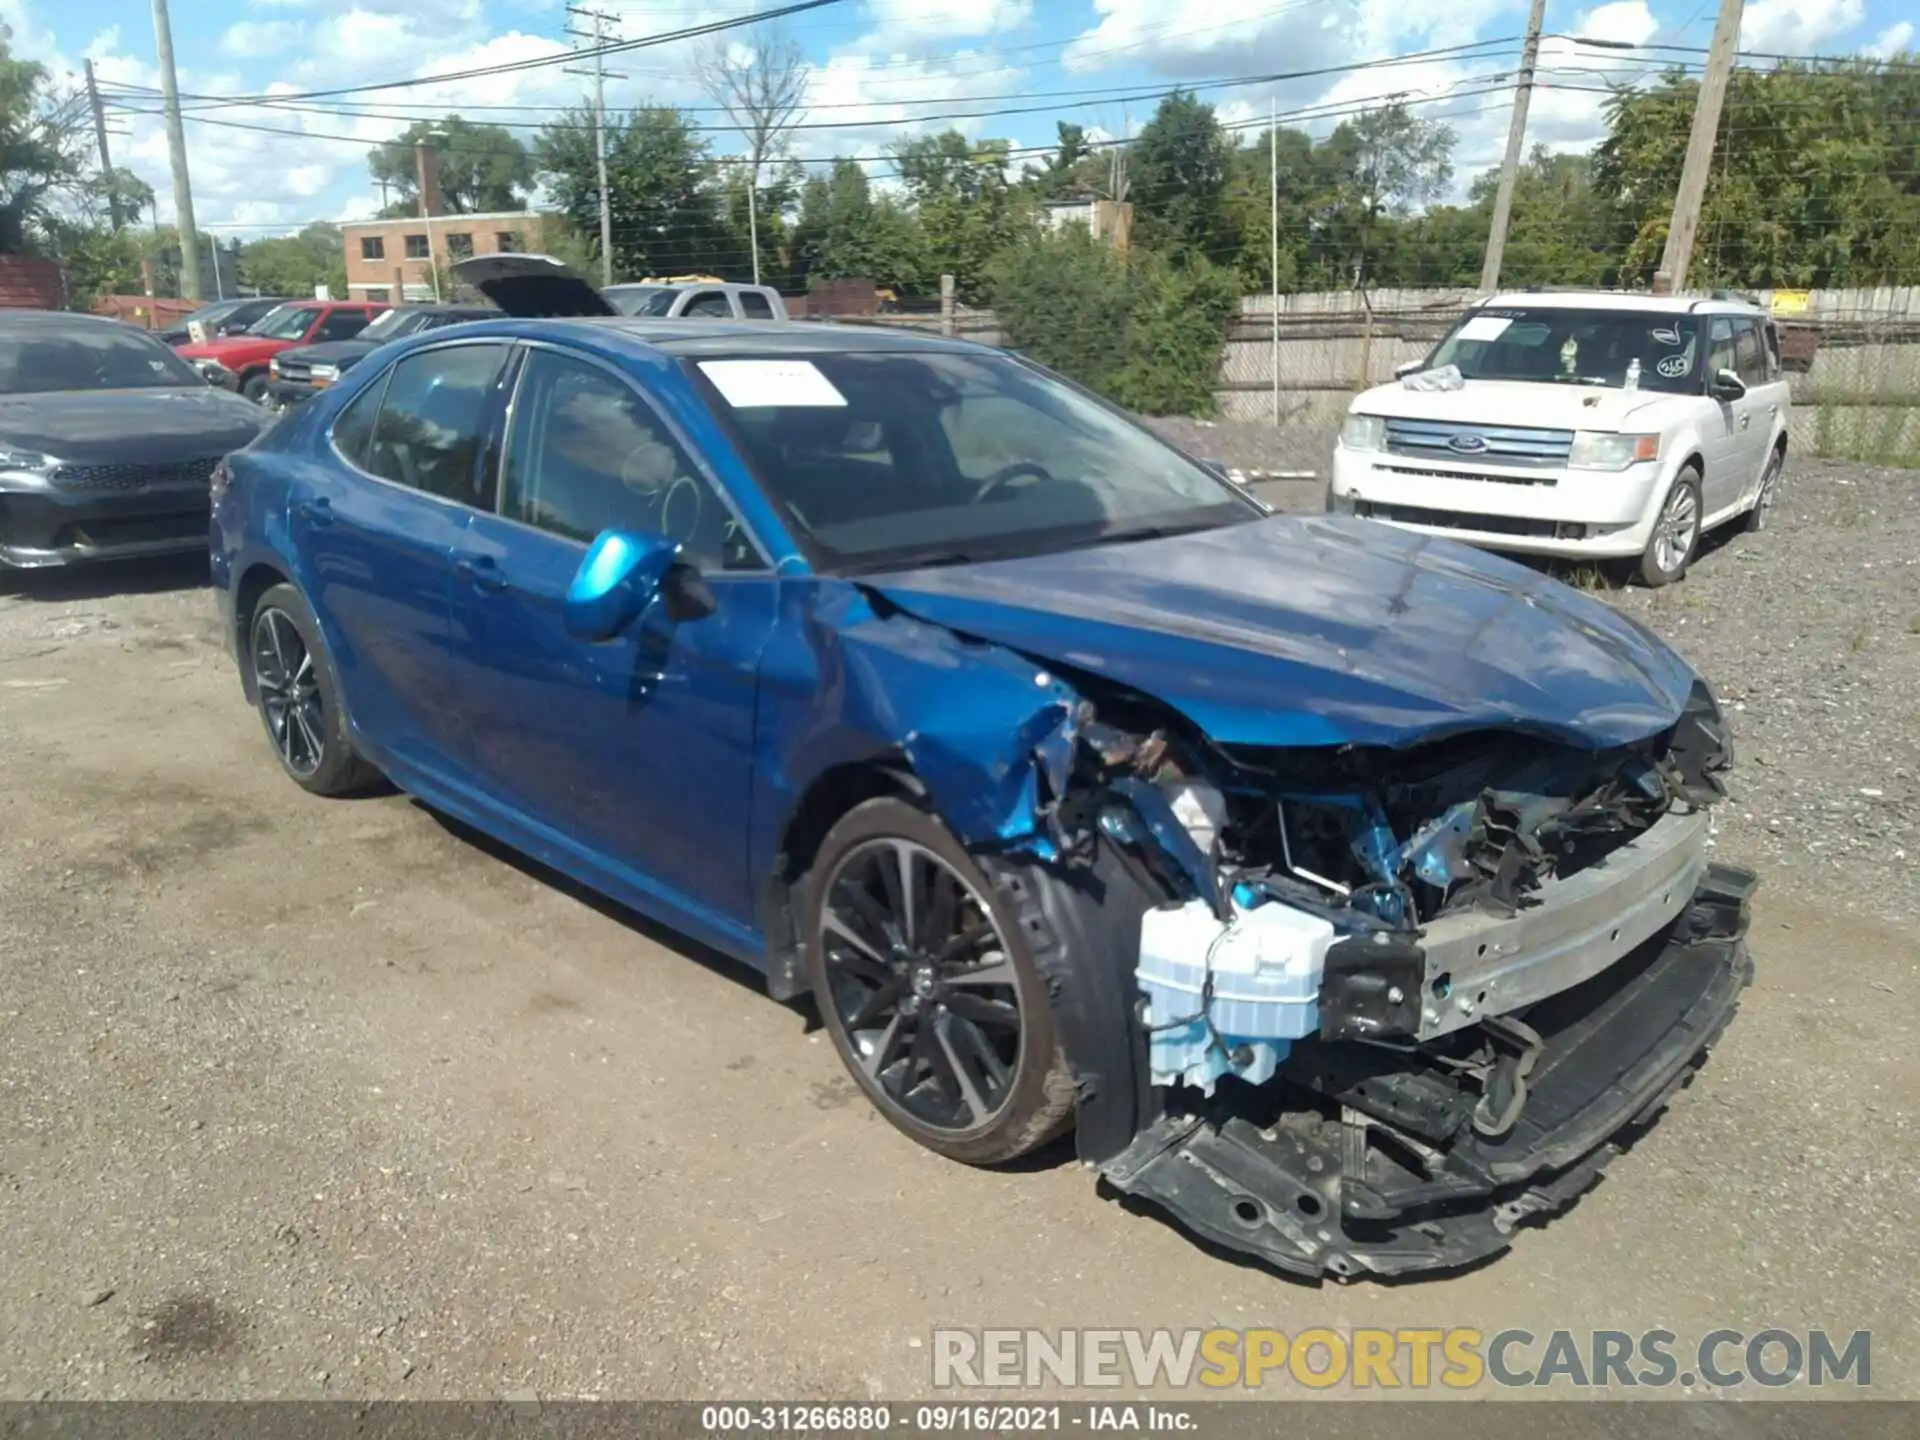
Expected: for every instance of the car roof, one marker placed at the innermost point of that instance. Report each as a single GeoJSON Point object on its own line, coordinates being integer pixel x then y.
{"type": "Point", "coordinates": [59, 319]}
{"type": "Point", "coordinates": [772, 337]}
{"type": "Point", "coordinates": [1621, 300]}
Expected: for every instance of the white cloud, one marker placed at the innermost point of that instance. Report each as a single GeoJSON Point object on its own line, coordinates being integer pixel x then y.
{"type": "Point", "coordinates": [905, 22]}
{"type": "Point", "coordinates": [1892, 41]}
{"type": "Point", "coordinates": [251, 38]}
{"type": "Point", "coordinates": [1797, 27]}
{"type": "Point", "coordinates": [1629, 21]}
{"type": "Point", "coordinates": [860, 86]}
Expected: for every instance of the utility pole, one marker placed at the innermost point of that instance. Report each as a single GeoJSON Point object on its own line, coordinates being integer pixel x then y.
{"type": "Point", "coordinates": [177, 154]}
{"type": "Point", "coordinates": [1672, 277]}
{"type": "Point", "coordinates": [100, 139]}
{"type": "Point", "coordinates": [1273, 248]}
{"type": "Point", "coordinates": [599, 73]}
{"type": "Point", "coordinates": [1516, 143]}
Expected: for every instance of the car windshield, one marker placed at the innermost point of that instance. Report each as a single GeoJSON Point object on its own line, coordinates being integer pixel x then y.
{"type": "Point", "coordinates": [42, 360]}
{"type": "Point", "coordinates": [643, 299]}
{"type": "Point", "coordinates": [394, 323]}
{"type": "Point", "coordinates": [1566, 346]}
{"type": "Point", "coordinates": [891, 459]}
{"type": "Point", "coordinates": [288, 322]}
{"type": "Point", "coordinates": [211, 315]}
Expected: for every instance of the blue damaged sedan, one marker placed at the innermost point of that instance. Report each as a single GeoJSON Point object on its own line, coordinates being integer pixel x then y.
{"type": "Point", "coordinates": [1347, 893]}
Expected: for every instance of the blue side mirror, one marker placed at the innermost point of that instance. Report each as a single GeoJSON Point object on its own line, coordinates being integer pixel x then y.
{"type": "Point", "coordinates": [621, 576]}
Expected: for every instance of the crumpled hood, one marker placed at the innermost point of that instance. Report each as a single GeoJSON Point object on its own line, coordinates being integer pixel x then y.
{"type": "Point", "coordinates": [103, 427]}
{"type": "Point", "coordinates": [1510, 402]}
{"type": "Point", "coordinates": [1320, 630]}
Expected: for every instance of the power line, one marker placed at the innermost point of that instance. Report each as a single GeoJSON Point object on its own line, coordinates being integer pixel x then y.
{"type": "Point", "coordinates": [536, 62]}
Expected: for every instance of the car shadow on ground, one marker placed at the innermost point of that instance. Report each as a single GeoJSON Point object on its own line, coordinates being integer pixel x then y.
{"type": "Point", "coordinates": [1048, 1157]}
{"type": "Point", "coordinates": [98, 579]}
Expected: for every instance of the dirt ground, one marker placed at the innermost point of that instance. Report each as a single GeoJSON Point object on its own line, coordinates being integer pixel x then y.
{"type": "Point", "coordinates": [304, 1098]}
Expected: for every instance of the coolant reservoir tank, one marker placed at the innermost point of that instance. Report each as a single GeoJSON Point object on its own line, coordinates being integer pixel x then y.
{"type": "Point", "coordinates": [1265, 964]}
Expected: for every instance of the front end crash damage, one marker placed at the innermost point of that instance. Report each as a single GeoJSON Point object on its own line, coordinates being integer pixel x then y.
{"type": "Point", "coordinates": [1383, 1005]}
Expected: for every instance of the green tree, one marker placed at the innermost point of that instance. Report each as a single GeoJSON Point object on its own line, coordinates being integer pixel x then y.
{"type": "Point", "coordinates": [1375, 171]}
{"type": "Point", "coordinates": [1177, 169]}
{"type": "Point", "coordinates": [295, 264]}
{"type": "Point", "coordinates": [1814, 181]}
{"type": "Point", "coordinates": [661, 189]}
{"type": "Point", "coordinates": [1250, 208]}
{"type": "Point", "coordinates": [1142, 329]}
{"type": "Point", "coordinates": [968, 208]}
{"type": "Point", "coordinates": [482, 167]}
{"type": "Point", "coordinates": [43, 154]}
{"type": "Point", "coordinates": [844, 231]}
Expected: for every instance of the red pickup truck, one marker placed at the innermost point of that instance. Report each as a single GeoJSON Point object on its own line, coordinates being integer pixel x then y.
{"type": "Point", "coordinates": [239, 362]}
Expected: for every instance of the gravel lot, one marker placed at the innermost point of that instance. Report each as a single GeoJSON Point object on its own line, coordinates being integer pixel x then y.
{"type": "Point", "coordinates": [333, 1098]}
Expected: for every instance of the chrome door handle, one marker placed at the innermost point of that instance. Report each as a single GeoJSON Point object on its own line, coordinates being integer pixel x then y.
{"type": "Point", "coordinates": [1746, 420]}
{"type": "Point", "coordinates": [481, 571]}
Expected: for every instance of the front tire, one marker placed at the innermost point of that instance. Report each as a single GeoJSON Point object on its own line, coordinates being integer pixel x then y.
{"type": "Point", "coordinates": [1676, 533]}
{"type": "Point", "coordinates": [929, 991]}
{"type": "Point", "coordinates": [254, 387]}
{"type": "Point", "coordinates": [299, 698]}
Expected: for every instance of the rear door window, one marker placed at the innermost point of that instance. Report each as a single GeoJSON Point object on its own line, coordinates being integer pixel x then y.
{"type": "Point", "coordinates": [709, 302]}
{"type": "Point", "coordinates": [1749, 352]}
{"type": "Point", "coordinates": [342, 325]}
{"type": "Point", "coordinates": [754, 305]}
{"type": "Point", "coordinates": [433, 420]}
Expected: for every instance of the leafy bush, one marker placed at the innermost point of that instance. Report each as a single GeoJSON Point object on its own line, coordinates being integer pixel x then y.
{"type": "Point", "coordinates": [1144, 331]}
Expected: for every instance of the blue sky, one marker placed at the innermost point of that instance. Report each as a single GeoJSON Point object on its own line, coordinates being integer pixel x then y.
{"type": "Point", "coordinates": [880, 68]}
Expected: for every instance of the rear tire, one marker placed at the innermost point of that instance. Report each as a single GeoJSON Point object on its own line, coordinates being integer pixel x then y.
{"type": "Point", "coordinates": [1676, 533]}
{"type": "Point", "coordinates": [298, 697]}
{"type": "Point", "coordinates": [952, 1039]}
{"type": "Point", "coordinates": [1769, 491]}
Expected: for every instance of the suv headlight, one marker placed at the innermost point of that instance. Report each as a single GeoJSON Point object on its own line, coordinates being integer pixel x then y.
{"type": "Point", "coordinates": [1363, 432]}
{"type": "Point", "coordinates": [324, 374]}
{"type": "Point", "coordinates": [1602, 450]}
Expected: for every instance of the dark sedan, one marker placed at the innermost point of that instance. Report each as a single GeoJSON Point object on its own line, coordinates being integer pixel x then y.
{"type": "Point", "coordinates": [107, 441]}
{"type": "Point", "coordinates": [223, 317]}
{"type": "Point", "coordinates": [302, 373]}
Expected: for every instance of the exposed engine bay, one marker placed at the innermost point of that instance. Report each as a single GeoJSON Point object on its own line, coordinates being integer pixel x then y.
{"type": "Point", "coordinates": [1380, 984]}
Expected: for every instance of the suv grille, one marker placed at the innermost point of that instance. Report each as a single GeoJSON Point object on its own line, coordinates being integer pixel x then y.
{"type": "Point", "coordinates": [1498, 444]}
{"type": "Point", "coordinates": [295, 369]}
{"type": "Point", "coordinates": [174, 474]}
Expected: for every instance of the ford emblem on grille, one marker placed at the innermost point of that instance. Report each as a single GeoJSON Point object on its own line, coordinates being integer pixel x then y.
{"type": "Point", "coordinates": [1468, 444]}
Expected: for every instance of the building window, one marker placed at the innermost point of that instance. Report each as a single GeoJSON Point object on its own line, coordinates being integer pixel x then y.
{"type": "Point", "coordinates": [372, 247]}
{"type": "Point", "coordinates": [508, 242]}
{"type": "Point", "coordinates": [416, 247]}
{"type": "Point", "coordinates": [459, 246]}
{"type": "Point", "coordinates": [377, 294]}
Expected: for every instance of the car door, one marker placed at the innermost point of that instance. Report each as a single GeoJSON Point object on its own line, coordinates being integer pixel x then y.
{"type": "Point", "coordinates": [340, 325]}
{"type": "Point", "coordinates": [1723, 442]}
{"type": "Point", "coordinates": [636, 754]}
{"type": "Point", "coordinates": [376, 537]}
{"type": "Point", "coordinates": [1753, 425]}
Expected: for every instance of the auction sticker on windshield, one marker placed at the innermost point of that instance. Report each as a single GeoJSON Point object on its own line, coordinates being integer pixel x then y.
{"type": "Point", "coordinates": [757, 384]}
{"type": "Point", "coordinates": [1484, 327]}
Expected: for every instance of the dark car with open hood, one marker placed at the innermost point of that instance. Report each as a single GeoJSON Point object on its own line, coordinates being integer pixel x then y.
{"type": "Point", "coordinates": [1347, 893]}
{"type": "Point", "coordinates": [108, 441]}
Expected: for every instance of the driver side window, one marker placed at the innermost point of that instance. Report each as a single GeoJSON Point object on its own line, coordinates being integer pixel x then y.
{"type": "Point", "coordinates": [587, 454]}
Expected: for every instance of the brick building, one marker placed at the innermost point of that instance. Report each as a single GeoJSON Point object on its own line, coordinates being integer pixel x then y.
{"type": "Point", "coordinates": [406, 258]}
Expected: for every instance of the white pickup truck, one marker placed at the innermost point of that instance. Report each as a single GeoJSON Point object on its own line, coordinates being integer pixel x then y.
{"type": "Point", "coordinates": [722, 299]}
{"type": "Point", "coordinates": [1579, 424]}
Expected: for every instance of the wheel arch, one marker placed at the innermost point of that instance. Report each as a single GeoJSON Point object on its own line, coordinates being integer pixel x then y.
{"type": "Point", "coordinates": [830, 794]}
{"type": "Point", "coordinates": [255, 580]}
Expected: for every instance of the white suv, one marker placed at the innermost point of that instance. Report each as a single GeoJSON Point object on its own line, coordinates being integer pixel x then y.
{"type": "Point", "coordinates": [1581, 424]}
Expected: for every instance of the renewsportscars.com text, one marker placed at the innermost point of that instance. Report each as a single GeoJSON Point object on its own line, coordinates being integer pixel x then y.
{"type": "Point", "coordinates": [1460, 1358]}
